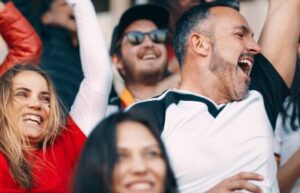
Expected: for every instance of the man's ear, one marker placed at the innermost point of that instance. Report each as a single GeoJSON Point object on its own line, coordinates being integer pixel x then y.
{"type": "Point", "coordinates": [199, 44]}
{"type": "Point", "coordinates": [117, 61]}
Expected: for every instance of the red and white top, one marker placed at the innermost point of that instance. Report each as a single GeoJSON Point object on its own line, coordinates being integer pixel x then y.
{"type": "Point", "coordinates": [52, 173]}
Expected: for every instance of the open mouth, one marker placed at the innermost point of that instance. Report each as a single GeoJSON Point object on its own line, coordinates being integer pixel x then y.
{"type": "Point", "coordinates": [148, 54]}
{"type": "Point", "coordinates": [140, 186]}
{"type": "Point", "coordinates": [149, 57]}
{"type": "Point", "coordinates": [245, 63]}
{"type": "Point", "coordinates": [33, 119]}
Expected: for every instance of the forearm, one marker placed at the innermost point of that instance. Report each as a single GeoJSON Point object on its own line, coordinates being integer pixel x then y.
{"type": "Point", "coordinates": [24, 44]}
{"type": "Point", "coordinates": [280, 36]}
{"type": "Point", "coordinates": [90, 103]}
{"type": "Point", "coordinates": [289, 173]}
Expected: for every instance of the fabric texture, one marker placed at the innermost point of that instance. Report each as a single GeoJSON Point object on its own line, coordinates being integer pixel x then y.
{"type": "Point", "coordinates": [52, 172]}
{"type": "Point", "coordinates": [24, 44]}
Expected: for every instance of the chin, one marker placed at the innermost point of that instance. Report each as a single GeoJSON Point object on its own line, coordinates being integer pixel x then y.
{"type": "Point", "coordinates": [242, 95]}
{"type": "Point", "coordinates": [35, 138]}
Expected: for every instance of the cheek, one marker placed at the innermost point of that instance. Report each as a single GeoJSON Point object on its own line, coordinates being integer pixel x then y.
{"type": "Point", "coordinates": [117, 176]}
{"type": "Point", "coordinates": [17, 103]}
{"type": "Point", "coordinates": [129, 50]}
{"type": "Point", "coordinates": [162, 49]}
{"type": "Point", "coordinates": [230, 53]}
{"type": "Point", "coordinates": [46, 108]}
{"type": "Point", "coordinates": [159, 169]}
{"type": "Point", "coordinates": [119, 171]}
{"type": "Point", "coordinates": [46, 112]}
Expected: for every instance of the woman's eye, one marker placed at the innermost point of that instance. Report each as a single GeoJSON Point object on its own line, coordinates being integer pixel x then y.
{"type": "Point", "coordinates": [21, 94]}
{"type": "Point", "coordinates": [121, 156]}
{"type": "Point", "coordinates": [45, 99]}
{"type": "Point", "coordinates": [153, 154]}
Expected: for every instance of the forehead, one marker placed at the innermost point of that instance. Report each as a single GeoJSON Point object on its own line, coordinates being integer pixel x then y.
{"type": "Point", "coordinates": [186, 4]}
{"type": "Point", "coordinates": [31, 80]}
{"type": "Point", "coordinates": [228, 19]}
{"type": "Point", "coordinates": [142, 25]}
{"type": "Point", "coordinates": [134, 135]}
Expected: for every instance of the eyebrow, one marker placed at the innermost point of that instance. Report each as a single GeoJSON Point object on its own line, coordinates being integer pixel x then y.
{"type": "Point", "coordinates": [145, 147]}
{"type": "Point", "coordinates": [45, 93]}
{"type": "Point", "coordinates": [23, 88]}
{"type": "Point", "coordinates": [28, 90]}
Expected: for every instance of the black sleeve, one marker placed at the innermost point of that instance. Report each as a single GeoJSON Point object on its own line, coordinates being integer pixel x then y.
{"type": "Point", "coordinates": [266, 80]}
{"type": "Point", "coordinates": [153, 110]}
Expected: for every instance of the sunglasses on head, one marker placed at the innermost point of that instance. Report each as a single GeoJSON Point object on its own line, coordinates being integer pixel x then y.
{"type": "Point", "coordinates": [137, 37]}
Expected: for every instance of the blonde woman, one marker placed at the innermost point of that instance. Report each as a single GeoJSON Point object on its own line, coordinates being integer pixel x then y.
{"type": "Point", "coordinates": [38, 148]}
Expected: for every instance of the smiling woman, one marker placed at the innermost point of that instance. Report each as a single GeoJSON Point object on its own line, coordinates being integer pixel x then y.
{"type": "Point", "coordinates": [30, 117]}
{"type": "Point", "coordinates": [124, 154]}
{"type": "Point", "coordinates": [30, 101]}
{"type": "Point", "coordinates": [38, 146]}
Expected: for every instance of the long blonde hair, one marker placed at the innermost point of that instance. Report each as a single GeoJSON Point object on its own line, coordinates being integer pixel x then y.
{"type": "Point", "coordinates": [13, 143]}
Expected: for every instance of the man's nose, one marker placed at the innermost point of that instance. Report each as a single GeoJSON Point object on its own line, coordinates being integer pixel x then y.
{"type": "Point", "coordinates": [253, 47]}
{"type": "Point", "coordinates": [147, 41]}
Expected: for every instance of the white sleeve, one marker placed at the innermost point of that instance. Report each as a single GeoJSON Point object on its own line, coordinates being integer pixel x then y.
{"type": "Point", "coordinates": [278, 137]}
{"type": "Point", "coordinates": [91, 101]}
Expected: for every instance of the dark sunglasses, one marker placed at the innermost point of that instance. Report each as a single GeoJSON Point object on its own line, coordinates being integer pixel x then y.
{"type": "Point", "coordinates": [156, 36]}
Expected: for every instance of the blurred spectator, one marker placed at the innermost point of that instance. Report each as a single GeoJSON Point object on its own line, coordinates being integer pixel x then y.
{"type": "Point", "coordinates": [54, 22]}
{"type": "Point", "coordinates": [139, 53]}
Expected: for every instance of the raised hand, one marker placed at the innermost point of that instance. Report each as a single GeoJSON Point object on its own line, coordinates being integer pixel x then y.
{"type": "Point", "coordinates": [60, 14]}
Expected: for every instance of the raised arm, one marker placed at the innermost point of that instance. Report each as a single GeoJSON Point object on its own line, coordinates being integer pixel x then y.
{"type": "Point", "coordinates": [24, 44]}
{"type": "Point", "coordinates": [91, 101]}
{"type": "Point", "coordinates": [280, 35]}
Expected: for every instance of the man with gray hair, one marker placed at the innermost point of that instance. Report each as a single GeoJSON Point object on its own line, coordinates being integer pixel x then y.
{"type": "Point", "coordinates": [219, 123]}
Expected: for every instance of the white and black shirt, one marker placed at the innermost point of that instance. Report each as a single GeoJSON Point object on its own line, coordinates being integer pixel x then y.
{"type": "Point", "coordinates": [207, 142]}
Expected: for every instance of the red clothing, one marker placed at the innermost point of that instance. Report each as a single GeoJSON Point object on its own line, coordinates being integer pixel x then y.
{"type": "Point", "coordinates": [55, 175]}
{"type": "Point", "coordinates": [24, 44]}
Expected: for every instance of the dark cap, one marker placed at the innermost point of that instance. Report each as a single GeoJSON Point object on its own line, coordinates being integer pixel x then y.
{"type": "Point", "coordinates": [152, 12]}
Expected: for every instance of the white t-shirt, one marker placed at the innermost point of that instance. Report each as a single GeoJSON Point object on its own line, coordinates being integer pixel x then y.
{"type": "Point", "coordinates": [208, 142]}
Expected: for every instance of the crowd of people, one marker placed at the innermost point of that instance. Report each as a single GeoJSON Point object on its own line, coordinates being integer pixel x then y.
{"type": "Point", "coordinates": [196, 110]}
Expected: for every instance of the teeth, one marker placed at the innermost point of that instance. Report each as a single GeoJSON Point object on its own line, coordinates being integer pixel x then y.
{"type": "Point", "coordinates": [141, 186]}
{"type": "Point", "coordinates": [33, 118]}
{"type": "Point", "coordinates": [245, 61]}
{"type": "Point", "coordinates": [149, 56]}
{"type": "Point", "coordinates": [245, 65]}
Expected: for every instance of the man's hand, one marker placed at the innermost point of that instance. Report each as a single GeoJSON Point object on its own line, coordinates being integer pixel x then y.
{"type": "Point", "coordinates": [238, 182]}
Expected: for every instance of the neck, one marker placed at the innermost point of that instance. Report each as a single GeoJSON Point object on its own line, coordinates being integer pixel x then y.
{"type": "Point", "coordinates": [203, 82]}
{"type": "Point", "coordinates": [142, 91]}
{"type": "Point", "coordinates": [146, 91]}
